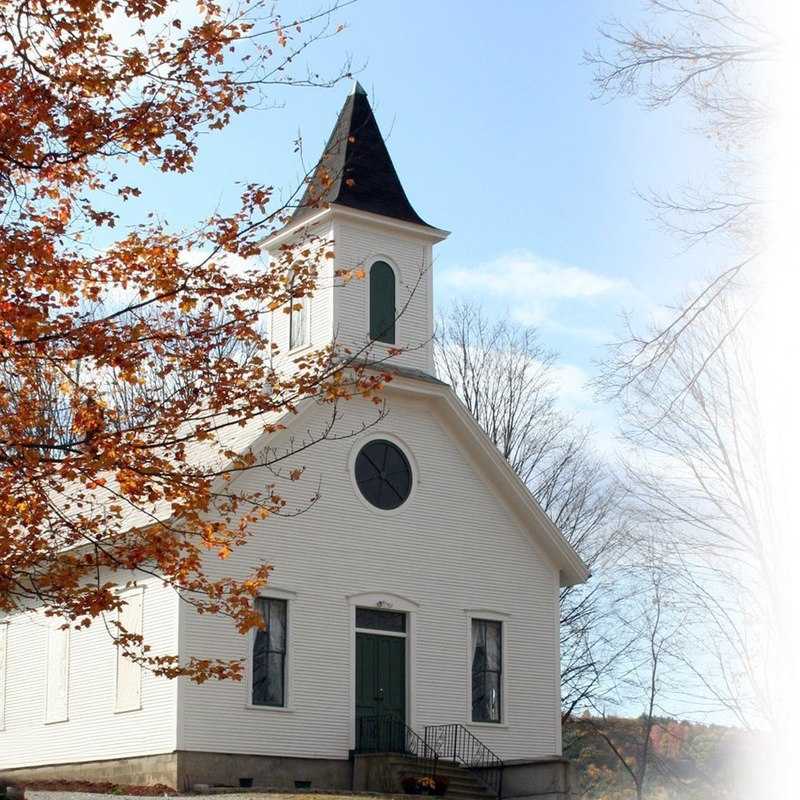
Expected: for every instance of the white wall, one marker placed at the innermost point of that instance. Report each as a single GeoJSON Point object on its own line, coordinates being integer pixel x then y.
{"type": "Point", "coordinates": [92, 729]}
{"type": "Point", "coordinates": [451, 548]}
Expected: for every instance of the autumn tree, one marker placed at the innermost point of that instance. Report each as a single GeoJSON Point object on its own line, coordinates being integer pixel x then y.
{"type": "Point", "coordinates": [123, 357]}
{"type": "Point", "coordinates": [506, 380]}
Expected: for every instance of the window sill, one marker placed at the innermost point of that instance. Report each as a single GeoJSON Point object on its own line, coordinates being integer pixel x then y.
{"type": "Point", "coordinates": [279, 709]}
{"type": "Point", "coordinates": [486, 725]}
{"type": "Point", "coordinates": [127, 710]}
{"type": "Point", "coordinates": [301, 348]}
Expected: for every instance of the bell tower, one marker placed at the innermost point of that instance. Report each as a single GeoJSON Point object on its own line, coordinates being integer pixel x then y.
{"type": "Point", "coordinates": [354, 202]}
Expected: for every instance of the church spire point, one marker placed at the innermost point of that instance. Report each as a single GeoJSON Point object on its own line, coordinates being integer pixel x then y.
{"type": "Point", "coordinates": [357, 88]}
{"type": "Point", "coordinates": [355, 169]}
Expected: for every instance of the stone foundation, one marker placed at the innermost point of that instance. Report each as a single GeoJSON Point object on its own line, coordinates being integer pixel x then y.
{"type": "Point", "coordinates": [161, 768]}
{"type": "Point", "coordinates": [183, 769]}
{"type": "Point", "coordinates": [273, 772]}
{"type": "Point", "coordinates": [537, 779]}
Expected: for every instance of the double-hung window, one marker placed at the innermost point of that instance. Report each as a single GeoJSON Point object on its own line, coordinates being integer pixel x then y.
{"type": "Point", "coordinates": [269, 654]}
{"type": "Point", "coordinates": [487, 670]}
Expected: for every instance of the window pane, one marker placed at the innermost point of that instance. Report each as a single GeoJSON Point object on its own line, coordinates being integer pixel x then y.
{"type": "Point", "coordinates": [492, 696]}
{"type": "Point", "coordinates": [269, 654]}
{"type": "Point", "coordinates": [380, 620]}
{"type": "Point", "coordinates": [493, 645]}
{"type": "Point", "coordinates": [487, 660]}
{"type": "Point", "coordinates": [274, 681]}
{"type": "Point", "coordinates": [277, 625]}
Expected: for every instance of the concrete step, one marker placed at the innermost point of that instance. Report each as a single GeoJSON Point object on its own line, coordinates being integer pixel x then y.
{"type": "Point", "coordinates": [458, 794]}
{"type": "Point", "coordinates": [462, 784]}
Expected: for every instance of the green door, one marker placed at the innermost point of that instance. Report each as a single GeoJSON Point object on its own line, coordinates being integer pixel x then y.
{"type": "Point", "coordinates": [380, 692]}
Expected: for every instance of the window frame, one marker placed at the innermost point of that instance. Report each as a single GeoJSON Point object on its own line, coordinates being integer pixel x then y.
{"type": "Point", "coordinates": [416, 475]}
{"type": "Point", "coordinates": [502, 618]}
{"type": "Point", "coordinates": [289, 597]}
{"type": "Point", "coordinates": [374, 339]}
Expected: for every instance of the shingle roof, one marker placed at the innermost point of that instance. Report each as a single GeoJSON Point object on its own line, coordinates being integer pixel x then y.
{"type": "Point", "coordinates": [355, 169]}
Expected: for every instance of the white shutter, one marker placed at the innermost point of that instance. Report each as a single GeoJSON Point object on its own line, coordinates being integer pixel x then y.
{"type": "Point", "coordinates": [57, 680]}
{"type": "Point", "coordinates": [3, 637]}
{"type": "Point", "coordinates": [129, 674]}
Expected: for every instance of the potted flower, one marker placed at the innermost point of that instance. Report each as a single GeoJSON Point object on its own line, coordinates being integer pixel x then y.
{"type": "Point", "coordinates": [415, 784]}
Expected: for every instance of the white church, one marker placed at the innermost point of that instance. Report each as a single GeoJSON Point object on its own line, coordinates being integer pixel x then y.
{"type": "Point", "coordinates": [412, 618]}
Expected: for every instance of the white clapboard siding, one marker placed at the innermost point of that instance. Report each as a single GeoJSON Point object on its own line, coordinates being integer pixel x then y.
{"type": "Point", "coordinates": [93, 729]}
{"type": "Point", "coordinates": [454, 547]}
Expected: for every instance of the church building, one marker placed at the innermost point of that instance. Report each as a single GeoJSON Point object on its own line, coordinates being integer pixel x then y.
{"type": "Point", "coordinates": [412, 618]}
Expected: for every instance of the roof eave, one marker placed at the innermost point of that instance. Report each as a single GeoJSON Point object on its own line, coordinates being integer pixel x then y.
{"type": "Point", "coordinates": [342, 212]}
{"type": "Point", "coordinates": [290, 230]}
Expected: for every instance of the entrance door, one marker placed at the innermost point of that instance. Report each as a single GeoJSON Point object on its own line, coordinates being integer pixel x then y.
{"type": "Point", "coordinates": [380, 692]}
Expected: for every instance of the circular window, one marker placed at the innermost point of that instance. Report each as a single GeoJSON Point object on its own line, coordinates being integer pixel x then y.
{"type": "Point", "coordinates": [383, 474]}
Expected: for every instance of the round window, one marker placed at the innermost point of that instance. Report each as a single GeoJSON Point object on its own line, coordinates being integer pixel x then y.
{"type": "Point", "coordinates": [383, 474]}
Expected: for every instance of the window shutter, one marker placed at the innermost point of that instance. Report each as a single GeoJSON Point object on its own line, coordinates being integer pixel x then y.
{"type": "Point", "coordinates": [381, 302]}
{"type": "Point", "coordinates": [129, 674]}
{"type": "Point", "coordinates": [57, 681]}
{"type": "Point", "coordinates": [3, 660]}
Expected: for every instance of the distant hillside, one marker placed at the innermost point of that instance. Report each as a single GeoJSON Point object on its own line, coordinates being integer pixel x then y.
{"type": "Point", "coordinates": [689, 761]}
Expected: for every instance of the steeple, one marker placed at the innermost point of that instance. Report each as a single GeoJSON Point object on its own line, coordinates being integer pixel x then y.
{"type": "Point", "coordinates": [355, 169]}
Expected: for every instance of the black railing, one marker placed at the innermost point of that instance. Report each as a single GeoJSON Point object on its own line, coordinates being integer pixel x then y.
{"type": "Point", "coordinates": [455, 742]}
{"type": "Point", "coordinates": [387, 733]}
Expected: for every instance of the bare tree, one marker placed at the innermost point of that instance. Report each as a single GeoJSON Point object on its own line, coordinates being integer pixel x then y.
{"type": "Point", "coordinates": [713, 54]}
{"type": "Point", "coordinates": [653, 630]}
{"type": "Point", "coordinates": [506, 380]}
{"type": "Point", "coordinates": [695, 468]}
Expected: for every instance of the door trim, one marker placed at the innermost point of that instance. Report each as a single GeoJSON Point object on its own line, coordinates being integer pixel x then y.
{"type": "Point", "coordinates": [391, 602]}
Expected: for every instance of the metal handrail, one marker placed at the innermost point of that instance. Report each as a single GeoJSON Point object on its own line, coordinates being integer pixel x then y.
{"type": "Point", "coordinates": [387, 733]}
{"type": "Point", "coordinates": [456, 741]}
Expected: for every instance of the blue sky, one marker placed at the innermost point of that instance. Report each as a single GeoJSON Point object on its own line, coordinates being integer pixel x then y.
{"type": "Point", "coordinates": [489, 117]}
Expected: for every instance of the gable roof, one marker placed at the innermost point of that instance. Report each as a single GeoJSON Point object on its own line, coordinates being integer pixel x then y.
{"type": "Point", "coordinates": [355, 169]}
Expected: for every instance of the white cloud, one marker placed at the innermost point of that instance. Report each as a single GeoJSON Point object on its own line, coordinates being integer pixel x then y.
{"type": "Point", "coordinates": [523, 272]}
{"type": "Point", "coordinates": [566, 299]}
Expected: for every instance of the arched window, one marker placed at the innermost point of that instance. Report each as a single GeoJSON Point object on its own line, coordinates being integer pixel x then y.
{"type": "Point", "coordinates": [381, 302]}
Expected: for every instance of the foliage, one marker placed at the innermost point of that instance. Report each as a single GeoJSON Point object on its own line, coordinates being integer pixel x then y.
{"type": "Point", "coordinates": [126, 370]}
{"type": "Point", "coordinates": [691, 761]}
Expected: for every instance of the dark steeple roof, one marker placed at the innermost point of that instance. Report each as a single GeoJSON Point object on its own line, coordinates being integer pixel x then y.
{"type": "Point", "coordinates": [356, 170]}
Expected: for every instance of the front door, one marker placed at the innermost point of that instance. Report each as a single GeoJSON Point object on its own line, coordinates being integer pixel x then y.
{"type": "Point", "coordinates": [380, 692]}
